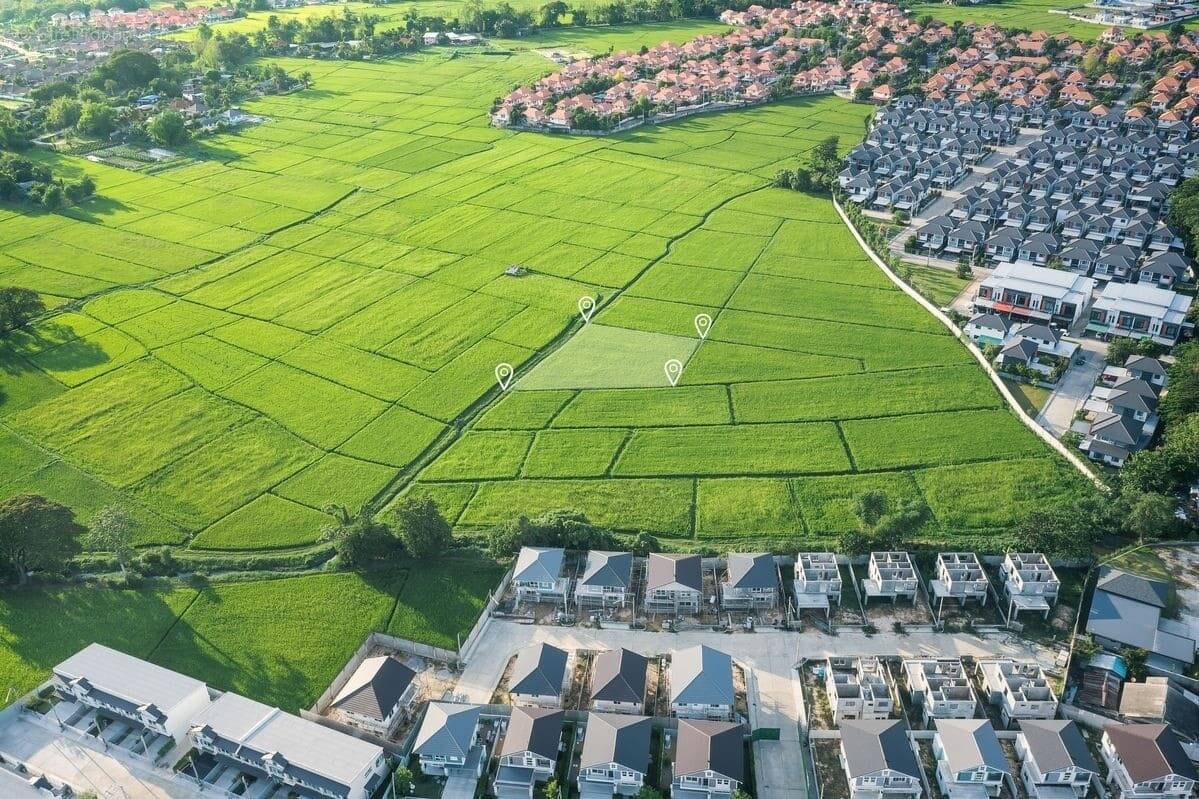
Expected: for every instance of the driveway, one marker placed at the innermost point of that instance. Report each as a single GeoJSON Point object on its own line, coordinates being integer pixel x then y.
{"type": "Point", "coordinates": [770, 657]}
{"type": "Point", "coordinates": [83, 767]}
{"type": "Point", "coordinates": [1073, 388]}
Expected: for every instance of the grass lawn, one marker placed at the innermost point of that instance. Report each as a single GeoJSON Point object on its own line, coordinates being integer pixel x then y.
{"type": "Point", "coordinates": [940, 286]}
{"type": "Point", "coordinates": [1031, 398]}
{"type": "Point", "coordinates": [1144, 561]}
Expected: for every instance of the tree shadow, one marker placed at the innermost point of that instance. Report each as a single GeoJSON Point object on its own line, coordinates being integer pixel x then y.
{"type": "Point", "coordinates": [96, 209]}
{"type": "Point", "coordinates": [56, 346]}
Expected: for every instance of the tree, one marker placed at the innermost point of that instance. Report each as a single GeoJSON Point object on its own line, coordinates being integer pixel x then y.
{"type": "Point", "coordinates": [855, 542]}
{"type": "Point", "coordinates": [552, 13]}
{"type": "Point", "coordinates": [552, 790]}
{"type": "Point", "coordinates": [1135, 659]}
{"type": "Point", "coordinates": [111, 530]}
{"type": "Point", "coordinates": [36, 533]}
{"type": "Point", "coordinates": [421, 527]}
{"type": "Point", "coordinates": [1151, 516]}
{"type": "Point", "coordinates": [401, 781]}
{"type": "Point", "coordinates": [358, 538]}
{"type": "Point", "coordinates": [126, 69]}
{"type": "Point", "coordinates": [168, 128]}
{"type": "Point", "coordinates": [963, 269]}
{"type": "Point", "coordinates": [644, 543]}
{"type": "Point", "coordinates": [870, 507]}
{"type": "Point", "coordinates": [894, 530]}
{"type": "Point", "coordinates": [647, 792]}
{"type": "Point", "coordinates": [63, 112]}
{"type": "Point", "coordinates": [96, 119]}
{"type": "Point", "coordinates": [18, 306]}
{"type": "Point", "coordinates": [741, 793]}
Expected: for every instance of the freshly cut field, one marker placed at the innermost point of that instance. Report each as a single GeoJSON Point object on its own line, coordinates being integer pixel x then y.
{"type": "Point", "coordinates": [303, 312]}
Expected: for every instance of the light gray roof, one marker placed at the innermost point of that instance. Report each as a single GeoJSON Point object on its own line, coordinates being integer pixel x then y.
{"type": "Point", "coordinates": [752, 571]}
{"type": "Point", "coordinates": [539, 671]}
{"type": "Point", "coordinates": [538, 564]}
{"type": "Point", "coordinates": [701, 675]}
{"type": "Point", "coordinates": [375, 687]}
{"type": "Point", "coordinates": [533, 729]}
{"type": "Point", "coordinates": [710, 745]}
{"type": "Point", "coordinates": [1142, 363]}
{"type": "Point", "coordinates": [616, 738]}
{"type": "Point", "coordinates": [448, 729]}
{"type": "Point", "coordinates": [1057, 744]}
{"type": "Point", "coordinates": [137, 681]}
{"type": "Point", "coordinates": [618, 675]}
{"type": "Point", "coordinates": [257, 732]}
{"type": "Point", "coordinates": [970, 743]}
{"type": "Point", "coordinates": [872, 746]}
{"type": "Point", "coordinates": [609, 569]}
{"type": "Point", "coordinates": [1128, 621]}
{"type": "Point", "coordinates": [663, 570]}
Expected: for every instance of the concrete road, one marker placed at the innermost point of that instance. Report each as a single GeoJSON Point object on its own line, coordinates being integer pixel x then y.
{"type": "Point", "coordinates": [86, 768]}
{"type": "Point", "coordinates": [1073, 388]}
{"type": "Point", "coordinates": [769, 656]}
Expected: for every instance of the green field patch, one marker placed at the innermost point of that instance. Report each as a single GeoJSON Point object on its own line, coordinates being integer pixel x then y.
{"type": "Point", "coordinates": [828, 503]}
{"type": "Point", "coordinates": [267, 522]}
{"type": "Point", "coordinates": [175, 322]}
{"type": "Point", "coordinates": [396, 437]}
{"type": "Point", "coordinates": [484, 454]}
{"type": "Point", "coordinates": [436, 341]}
{"type": "Point", "coordinates": [746, 508]}
{"type": "Point", "coordinates": [733, 450]}
{"type": "Point", "coordinates": [721, 362]}
{"type": "Point", "coordinates": [573, 453]}
{"type": "Point", "coordinates": [87, 357]}
{"type": "Point", "coordinates": [654, 316]}
{"type": "Point", "coordinates": [375, 375]}
{"type": "Point", "coordinates": [865, 395]}
{"type": "Point", "coordinates": [835, 302]}
{"type": "Point", "coordinates": [717, 249]}
{"type": "Point", "coordinates": [336, 480]}
{"type": "Point", "coordinates": [990, 495]}
{"type": "Point", "coordinates": [656, 505]}
{"type": "Point", "coordinates": [209, 362]}
{"type": "Point", "coordinates": [253, 279]}
{"type": "Point", "coordinates": [382, 322]}
{"type": "Point", "coordinates": [439, 605]}
{"type": "Point", "coordinates": [938, 438]}
{"type": "Point", "coordinates": [681, 405]}
{"type": "Point", "coordinates": [691, 284]}
{"type": "Point", "coordinates": [455, 387]}
{"type": "Point", "coordinates": [599, 356]}
{"type": "Point", "coordinates": [852, 272]}
{"type": "Point", "coordinates": [21, 384]}
{"type": "Point", "coordinates": [261, 338]}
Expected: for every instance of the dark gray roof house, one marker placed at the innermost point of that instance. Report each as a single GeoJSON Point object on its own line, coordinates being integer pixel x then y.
{"type": "Point", "coordinates": [873, 746]}
{"type": "Point", "coordinates": [375, 688]}
{"type": "Point", "coordinates": [618, 675]}
{"type": "Point", "coordinates": [665, 570]}
{"type": "Point", "coordinates": [701, 675]}
{"type": "Point", "coordinates": [1126, 609]}
{"type": "Point", "coordinates": [970, 743]}
{"type": "Point", "coordinates": [1057, 744]}
{"type": "Point", "coordinates": [533, 729]}
{"type": "Point", "coordinates": [448, 729]}
{"type": "Point", "coordinates": [608, 569]}
{"type": "Point", "coordinates": [752, 571]}
{"type": "Point", "coordinates": [616, 738]}
{"type": "Point", "coordinates": [716, 746]}
{"type": "Point", "coordinates": [540, 670]}
{"type": "Point", "coordinates": [1021, 350]}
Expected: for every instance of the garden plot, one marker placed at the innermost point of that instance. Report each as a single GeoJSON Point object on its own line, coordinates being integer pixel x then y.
{"type": "Point", "coordinates": [609, 357]}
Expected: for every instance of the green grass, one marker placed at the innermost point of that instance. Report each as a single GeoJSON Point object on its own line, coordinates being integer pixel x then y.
{"type": "Point", "coordinates": [1029, 14]}
{"type": "Point", "coordinates": [1031, 398]}
{"type": "Point", "coordinates": [940, 286]}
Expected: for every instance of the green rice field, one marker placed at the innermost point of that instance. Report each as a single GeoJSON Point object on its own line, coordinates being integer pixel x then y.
{"type": "Point", "coordinates": [310, 311]}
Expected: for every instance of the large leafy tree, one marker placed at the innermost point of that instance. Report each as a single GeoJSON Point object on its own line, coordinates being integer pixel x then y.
{"type": "Point", "coordinates": [18, 306]}
{"type": "Point", "coordinates": [421, 527]}
{"type": "Point", "coordinates": [111, 530]}
{"type": "Point", "coordinates": [36, 534]}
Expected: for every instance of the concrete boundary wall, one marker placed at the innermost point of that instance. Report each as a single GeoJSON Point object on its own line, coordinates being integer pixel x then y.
{"type": "Point", "coordinates": [1074, 459]}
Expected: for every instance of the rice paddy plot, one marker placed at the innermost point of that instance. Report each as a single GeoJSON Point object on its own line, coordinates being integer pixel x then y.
{"type": "Point", "coordinates": [600, 356]}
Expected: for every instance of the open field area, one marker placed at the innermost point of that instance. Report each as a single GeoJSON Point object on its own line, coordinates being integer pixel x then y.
{"type": "Point", "coordinates": [295, 319]}
{"type": "Point", "coordinates": [1028, 14]}
{"type": "Point", "coordinates": [280, 641]}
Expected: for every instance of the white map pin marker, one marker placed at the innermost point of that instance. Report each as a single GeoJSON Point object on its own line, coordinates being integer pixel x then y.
{"type": "Point", "coordinates": [703, 323]}
{"type": "Point", "coordinates": [586, 308]}
{"type": "Point", "coordinates": [503, 375]}
{"type": "Point", "coordinates": [674, 370]}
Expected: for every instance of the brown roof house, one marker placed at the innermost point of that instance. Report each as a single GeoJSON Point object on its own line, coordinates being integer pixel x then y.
{"type": "Point", "coordinates": [1146, 761]}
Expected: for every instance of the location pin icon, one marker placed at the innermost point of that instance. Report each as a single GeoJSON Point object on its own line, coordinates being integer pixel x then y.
{"type": "Point", "coordinates": [703, 323]}
{"type": "Point", "coordinates": [503, 375]}
{"type": "Point", "coordinates": [674, 370]}
{"type": "Point", "coordinates": [586, 308]}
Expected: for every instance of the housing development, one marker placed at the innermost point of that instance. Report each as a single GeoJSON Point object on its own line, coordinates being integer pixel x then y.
{"type": "Point", "coordinates": [596, 401]}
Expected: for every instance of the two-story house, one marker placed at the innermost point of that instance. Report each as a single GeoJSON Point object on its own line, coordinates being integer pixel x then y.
{"type": "Point", "coordinates": [751, 581]}
{"type": "Point", "coordinates": [970, 761]}
{"type": "Point", "coordinates": [529, 751]}
{"type": "Point", "coordinates": [890, 575]}
{"type": "Point", "coordinates": [1020, 690]}
{"type": "Point", "coordinates": [1126, 611]}
{"type": "Point", "coordinates": [615, 755]}
{"type": "Point", "coordinates": [941, 687]}
{"type": "Point", "coordinates": [606, 579]}
{"type": "Point", "coordinates": [1053, 755]}
{"type": "Point", "coordinates": [701, 684]}
{"type": "Point", "coordinates": [1146, 761]}
{"type": "Point", "coordinates": [673, 583]}
{"type": "Point", "coordinates": [959, 576]}
{"type": "Point", "coordinates": [537, 576]}
{"type": "Point", "coordinates": [817, 581]}
{"type": "Point", "coordinates": [858, 688]}
{"type": "Point", "coordinates": [377, 696]}
{"type": "Point", "coordinates": [1035, 292]}
{"type": "Point", "coordinates": [448, 742]}
{"type": "Point", "coordinates": [1029, 583]}
{"type": "Point", "coordinates": [709, 760]}
{"type": "Point", "coordinates": [618, 681]}
{"type": "Point", "coordinates": [1141, 311]}
{"type": "Point", "coordinates": [538, 676]}
{"type": "Point", "coordinates": [879, 760]}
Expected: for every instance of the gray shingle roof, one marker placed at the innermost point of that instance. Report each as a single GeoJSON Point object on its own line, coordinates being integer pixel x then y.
{"type": "Point", "coordinates": [375, 687]}
{"type": "Point", "coordinates": [540, 670]}
{"type": "Point", "coordinates": [710, 745]}
{"type": "Point", "coordinates": [701, 675]}
{"type": "Point", "coordinates": [1057, 744]}
{"type": "Point", "coordinates": [608, 569]}
{"type": "Point", "coordinates": [872, 746]}
{"type": "Point", "coordinates": [970, 743]}
{"type": "Point", "coordinates": [448, 729]}
{"type": "Point", "coordinates": [752, 571]}
{"type": "Point", "coordinates": [538, 564]}
{"type": "Point", "coordinates": [1133, 586]}
{"type": "Point", "coordinates": [616, 738]}
{"type": "Point", "coordinates": [618, 675]}
{"type": "Point", "coordinates": [533, 729]}
{"type": "Point", "coordinates": [663, 570]}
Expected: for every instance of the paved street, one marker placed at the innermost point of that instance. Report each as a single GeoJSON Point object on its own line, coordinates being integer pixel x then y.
{"type": "Point", "coordinates": [769, 656]}
{"type": "Point", "coordinates": [1073, 388]}
{"type": "Point", "coordinates": [85, 768]}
